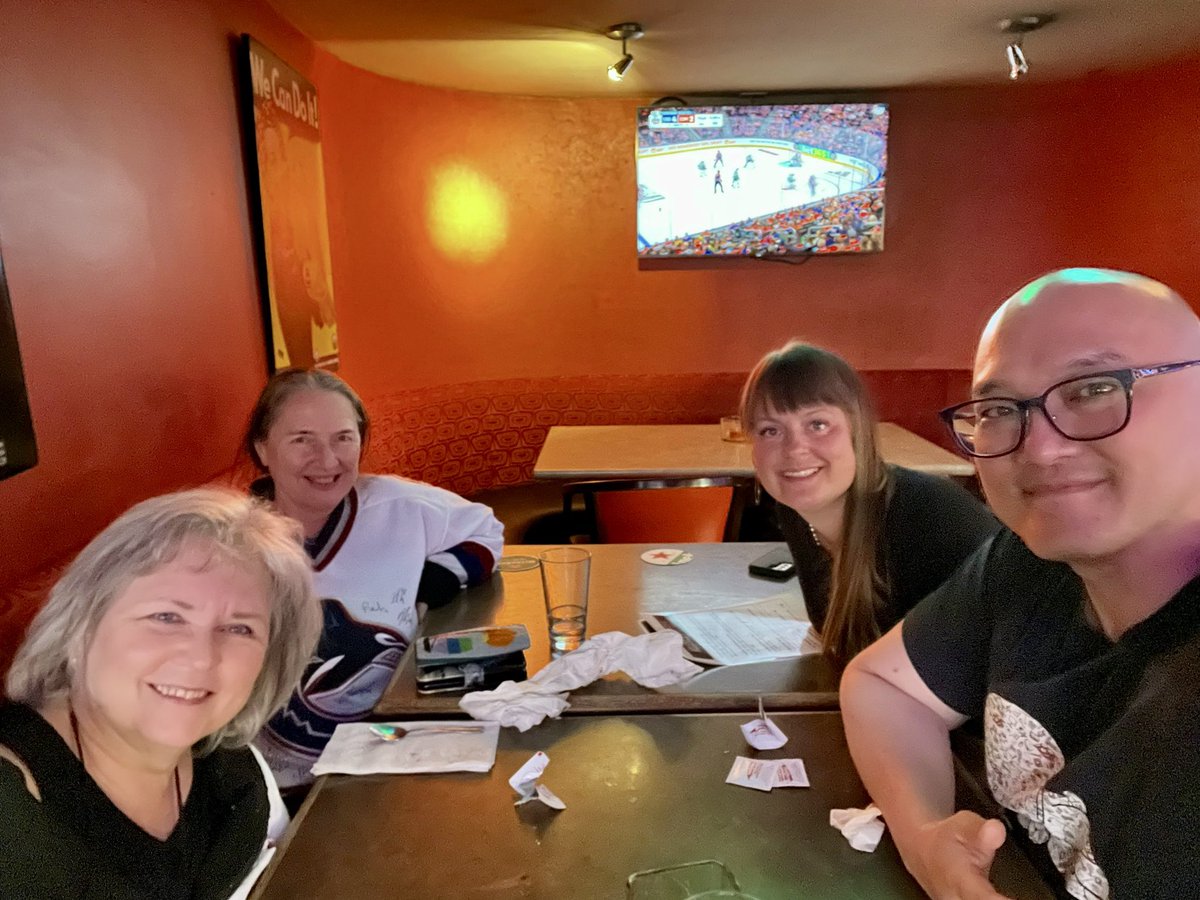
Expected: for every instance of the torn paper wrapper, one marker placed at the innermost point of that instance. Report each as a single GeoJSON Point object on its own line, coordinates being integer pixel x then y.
{"type": "Point", "coordinates": [525, 782]}
{"type": "Point", "coordinates": [762, 733]}
{"type": "Point", "coordinates": [863, 828]}
{"type": "Point", "coordinates": [766, 774]}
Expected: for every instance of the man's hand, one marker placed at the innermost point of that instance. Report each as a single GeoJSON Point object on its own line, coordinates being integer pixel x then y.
{"type": "Point", "coordinates": [955, 856]}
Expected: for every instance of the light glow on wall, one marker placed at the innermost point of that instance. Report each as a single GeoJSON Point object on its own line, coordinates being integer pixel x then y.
{"type": "Point", "coordinates": [467, 214]}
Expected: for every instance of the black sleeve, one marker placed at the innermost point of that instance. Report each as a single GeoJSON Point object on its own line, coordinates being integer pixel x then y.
{"type": "Point", "coordinates": [932, 525]}
{"type": "Point", "coordinates": [948, 635]}
{"type": "Point", "coordinates": [438, 585]}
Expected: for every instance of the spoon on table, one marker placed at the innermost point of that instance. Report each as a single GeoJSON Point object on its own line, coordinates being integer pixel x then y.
{"type": "Point", "coordinates": [396, 732]}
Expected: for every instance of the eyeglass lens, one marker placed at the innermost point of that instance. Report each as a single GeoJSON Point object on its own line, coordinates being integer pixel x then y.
{"type": "Point", "coordinates": [1083, 409]}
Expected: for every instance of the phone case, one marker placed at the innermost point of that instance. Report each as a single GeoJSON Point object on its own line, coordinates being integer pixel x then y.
{"type": "Point", "coordinates": [473, 676]}
{"type": "Point", "coordinates": [471, 645]}
{"type": "Point", "coordinates": [777, 565]}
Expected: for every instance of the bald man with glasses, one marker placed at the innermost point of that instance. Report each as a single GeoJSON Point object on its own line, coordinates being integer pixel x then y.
{"type": "Point", "coordinates": [1073, 635]}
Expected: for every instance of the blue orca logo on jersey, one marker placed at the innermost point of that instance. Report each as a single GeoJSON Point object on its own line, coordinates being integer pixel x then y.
{"type": "Point", "coordinates": [351, 668]}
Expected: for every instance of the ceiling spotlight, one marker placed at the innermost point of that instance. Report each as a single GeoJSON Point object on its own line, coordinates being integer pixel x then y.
{"type": "Point", "coordinates": [618, 69]}
{"type": "Point", "coordinates": [1017, 27]}
{"type": "Point", "coordinates": [625, 31]}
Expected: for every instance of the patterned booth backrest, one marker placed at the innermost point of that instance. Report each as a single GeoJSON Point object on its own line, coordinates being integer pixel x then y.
{"type": "Point", "coordinates": [484, 435]}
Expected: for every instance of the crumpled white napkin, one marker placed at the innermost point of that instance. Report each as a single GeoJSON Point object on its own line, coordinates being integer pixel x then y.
{"type": "Point", "coordinates": [863, 828]}
{"type": "Point", "coordinates": [652, 660]}
{"type": "Point", "coordinates": [525, 782]}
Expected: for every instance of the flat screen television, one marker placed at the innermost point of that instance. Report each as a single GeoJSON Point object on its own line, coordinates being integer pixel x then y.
{"type": "Point", "coordinates": [771, 180]}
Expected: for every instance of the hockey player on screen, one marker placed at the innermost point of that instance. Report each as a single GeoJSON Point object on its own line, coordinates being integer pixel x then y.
{"type": "Point", "coordinates": [717, 183]}
{"type": "Point", "coordinates": [701, 168]}
{"type": "Point", "coordinates": [749, 163]}
{"type": "Point", "coordinates": [812, 185]}
{"type": "Point", "coordinates": [737, 179]}
{"type": "Point", "coordinates": [718, 161]}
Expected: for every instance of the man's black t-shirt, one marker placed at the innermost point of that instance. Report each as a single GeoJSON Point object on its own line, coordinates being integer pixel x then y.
{"type": "Point", "coordinates": [1093, 744]}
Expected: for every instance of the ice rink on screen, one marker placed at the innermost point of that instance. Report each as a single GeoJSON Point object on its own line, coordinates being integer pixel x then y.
{"type": "Point", "coordinates": [689, 203]}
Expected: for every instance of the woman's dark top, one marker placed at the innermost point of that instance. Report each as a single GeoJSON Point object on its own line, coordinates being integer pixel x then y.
{"type": "Point", "coordinates": [75, 843]}
{"type": "Point", "coordinates": [930, 526]}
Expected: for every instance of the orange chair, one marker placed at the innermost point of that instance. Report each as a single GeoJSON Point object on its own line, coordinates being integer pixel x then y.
{"type": "Point", "coordinates": [651, 511]}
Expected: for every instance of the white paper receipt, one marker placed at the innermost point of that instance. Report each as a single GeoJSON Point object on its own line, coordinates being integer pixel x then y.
{"type": "Point", "coordinates": [765, 774]}
{"type": "Point", "coordinates": [355, 750]}
{"type": "Point", "coordinates": [749, 632]}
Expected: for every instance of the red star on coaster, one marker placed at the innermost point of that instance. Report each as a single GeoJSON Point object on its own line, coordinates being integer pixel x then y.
{"type": "Point", "coordinates": [661, 555]}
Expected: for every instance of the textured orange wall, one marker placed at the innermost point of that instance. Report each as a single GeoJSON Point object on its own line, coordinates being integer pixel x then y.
{"type": "Point", "coordinates": [126, 238]}
{"type": "Point", "coordinates": [987, 187]}
{"type": "Point", "coordinates": [125, 231]}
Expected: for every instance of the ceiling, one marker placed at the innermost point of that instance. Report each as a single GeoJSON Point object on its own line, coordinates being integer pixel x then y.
{"type": "Point", "coordinates": [697, 47]}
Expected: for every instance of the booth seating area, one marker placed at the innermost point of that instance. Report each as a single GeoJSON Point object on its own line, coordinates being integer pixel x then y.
{"type": "Point", "coordinates": [481, 440]}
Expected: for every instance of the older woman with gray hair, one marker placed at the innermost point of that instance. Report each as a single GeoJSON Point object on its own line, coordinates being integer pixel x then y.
{"type": "Point", "coordinates": [125, 769]}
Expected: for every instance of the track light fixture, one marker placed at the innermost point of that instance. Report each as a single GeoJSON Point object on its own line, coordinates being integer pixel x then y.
{"type": "Point", "coordinates": [618, 69]}
{"type": "Point", "coordinates": [1016, 28]}
{"type": "Point", "coordinates": [625, 31]}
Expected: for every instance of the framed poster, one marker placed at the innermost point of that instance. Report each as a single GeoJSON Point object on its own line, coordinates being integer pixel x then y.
{"type": "Point", "coordinates": [298, 309]}
{"type": "Point", "coordinates": [18, 451]}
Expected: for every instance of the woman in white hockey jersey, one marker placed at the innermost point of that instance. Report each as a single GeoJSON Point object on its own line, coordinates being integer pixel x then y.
{"type": "Point", "coordinates": [380, 545]}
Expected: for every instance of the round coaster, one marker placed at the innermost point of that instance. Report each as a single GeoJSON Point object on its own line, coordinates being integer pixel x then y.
{"type": "Point", "coordinates": [666, 557]}
{"type": "Point", "coordinates": [517, 563]}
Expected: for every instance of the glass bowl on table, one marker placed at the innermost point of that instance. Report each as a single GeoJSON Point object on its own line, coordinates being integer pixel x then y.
{"type": "Point", "coordinates": [705, 879]}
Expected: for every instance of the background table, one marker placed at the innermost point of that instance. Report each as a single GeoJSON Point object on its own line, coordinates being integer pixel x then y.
{"type": "Point", "coordinates": [641, 792]}
{"type": "Point", "coordinates": [670, 451]}
{"type": "Point", "coordinates": [623, 588]}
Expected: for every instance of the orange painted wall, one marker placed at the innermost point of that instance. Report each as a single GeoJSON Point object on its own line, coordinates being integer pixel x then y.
{"type": "Point", "coordinates": [988, 187]}
{"type": "Point", "coordinates": [125, 231]}
{"type": "Point", "coordinates": [126, 238]}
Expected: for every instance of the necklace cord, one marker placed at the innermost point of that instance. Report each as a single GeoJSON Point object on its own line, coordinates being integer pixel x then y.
{"type": "Point", "coordinates": [83, 763]}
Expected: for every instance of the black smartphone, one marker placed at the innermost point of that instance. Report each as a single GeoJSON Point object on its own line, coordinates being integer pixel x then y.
{"type": "Point", "coordinates": [777, 565]}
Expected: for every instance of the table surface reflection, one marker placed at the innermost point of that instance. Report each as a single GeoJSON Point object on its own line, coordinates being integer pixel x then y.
{"type": "Point", "coordinates": [640, 792]}
{"type": "Point", "coordinates": [623, 588]}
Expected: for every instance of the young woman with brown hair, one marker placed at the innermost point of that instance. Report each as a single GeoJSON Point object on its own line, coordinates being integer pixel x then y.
{"type": "Point", "coordinates": [869, 539]}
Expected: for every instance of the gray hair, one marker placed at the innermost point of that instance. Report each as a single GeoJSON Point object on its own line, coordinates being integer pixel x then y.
{"type": "Point", "coordinates": [238, 529]}
{"type": "Point", "coordinates": [281, 387]}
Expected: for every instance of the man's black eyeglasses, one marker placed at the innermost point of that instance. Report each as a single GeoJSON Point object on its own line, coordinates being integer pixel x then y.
{"type": "Point", "coordinates": [1086, 408]}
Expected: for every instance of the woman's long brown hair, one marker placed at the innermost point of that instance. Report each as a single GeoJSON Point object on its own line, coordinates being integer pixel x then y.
{"type": "Point", "coordinates": [800, 375]}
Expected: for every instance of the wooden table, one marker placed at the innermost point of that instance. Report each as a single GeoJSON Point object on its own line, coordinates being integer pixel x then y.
{"type": "Point", "coordinates": [645, 451]}
{"type": "Point", "coordinates": [641, 792]}
{"type": "Point", "coordinates": [623, 587]}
